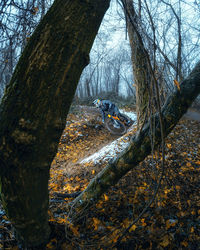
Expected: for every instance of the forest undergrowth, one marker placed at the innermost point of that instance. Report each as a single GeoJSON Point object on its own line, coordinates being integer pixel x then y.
{"type": "Point", "coordinates": [171, 222]}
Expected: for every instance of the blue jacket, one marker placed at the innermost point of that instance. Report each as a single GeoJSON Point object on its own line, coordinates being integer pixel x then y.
{"type": "Point", "coordinates": [109, 107]}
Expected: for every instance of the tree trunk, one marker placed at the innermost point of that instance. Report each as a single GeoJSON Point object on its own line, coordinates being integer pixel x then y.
{"type": "Point", "coordinates": [140, 145]}
{"type": "Point", "coordinates": [141, 72]}
{"type": "Point", "coordinates": [34, 109]}
{"type": "Point", "coordinates": [87, 87]}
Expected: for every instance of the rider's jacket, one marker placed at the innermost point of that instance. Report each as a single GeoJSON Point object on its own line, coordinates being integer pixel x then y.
{"type": "Point", "coordinates": [108, 106]}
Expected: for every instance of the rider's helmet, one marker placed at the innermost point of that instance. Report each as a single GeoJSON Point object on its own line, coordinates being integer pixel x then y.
{"type": "Point", "coordinates": [97, 103]}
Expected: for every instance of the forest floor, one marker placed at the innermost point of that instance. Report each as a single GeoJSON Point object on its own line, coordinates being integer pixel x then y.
{"type": "Point", "coordinates": [171, 222]}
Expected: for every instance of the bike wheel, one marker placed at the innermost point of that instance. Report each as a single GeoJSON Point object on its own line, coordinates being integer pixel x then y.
{"type": "Point", "coordinates": [115, 130]}
{"type": "Point", "coordinates": [126, 120]}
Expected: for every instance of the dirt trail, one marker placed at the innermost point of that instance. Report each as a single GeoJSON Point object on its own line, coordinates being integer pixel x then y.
{"type": "Point", "coordinates": [92, 137]}
{"type": "Point", "coordinates": [192, 115]}
{"type": "Point", "coordinates": [85, 135]}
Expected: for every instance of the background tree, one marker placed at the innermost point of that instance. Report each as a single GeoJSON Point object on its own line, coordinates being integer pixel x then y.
{"type": "Point", "coordinates": [18, 19]}
{"type": "Point", "coordinates": [164, 43]}
{"type": "Point", "coordinates": [109, 69]}
{"type": "Point", "coordinates": [140, 64]}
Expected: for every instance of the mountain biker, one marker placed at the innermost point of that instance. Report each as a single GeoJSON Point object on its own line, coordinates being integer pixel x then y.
{"type": "Point", "coordinates": [107, 106]}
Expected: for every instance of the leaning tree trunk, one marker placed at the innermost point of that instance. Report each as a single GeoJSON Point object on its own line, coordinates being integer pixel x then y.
{"type": "Point", "coordinates": [141, 70]}
{"type": "Point", "coordinates": [34, 109]}
{"type": "Point", "coordinates": [139, 147]}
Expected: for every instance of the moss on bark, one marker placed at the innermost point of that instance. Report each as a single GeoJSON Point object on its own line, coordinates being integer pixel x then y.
{"type": "Point", "coordinates": [34, 109]}
{"type": "Point", "coordinates": [141, 70]}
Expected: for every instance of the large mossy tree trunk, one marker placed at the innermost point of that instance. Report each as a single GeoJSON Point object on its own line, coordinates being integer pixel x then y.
{"type": "Point", "coordinates": [34, 109]}
{"type": "Point", "coordinates": [140, 65]}
{"type": "Point", "coordinates": [140, 146]}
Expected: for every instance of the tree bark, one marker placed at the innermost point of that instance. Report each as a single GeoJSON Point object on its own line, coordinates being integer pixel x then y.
{"type": "Point", "coordinates": [141, 70]}
{"type": "Point", "coordinates": [140, 146]}
{"type": "Point", "coordinates": [34, 108]}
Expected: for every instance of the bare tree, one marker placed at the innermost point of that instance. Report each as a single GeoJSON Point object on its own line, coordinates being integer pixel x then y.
{"type": "Point", "coordinates": [140, 64]}
{"type": "Point", "coordinates": [18, 19]}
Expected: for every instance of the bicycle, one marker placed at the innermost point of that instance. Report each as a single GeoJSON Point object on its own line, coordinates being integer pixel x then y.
{"type": "Point", "coordinates": [117, 125]}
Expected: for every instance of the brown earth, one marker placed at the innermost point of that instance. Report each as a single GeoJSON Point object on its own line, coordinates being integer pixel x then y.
{"type": "Point", "coordinates": [172, 222]}
{"type": "Point", "coordinates": [193, 115]}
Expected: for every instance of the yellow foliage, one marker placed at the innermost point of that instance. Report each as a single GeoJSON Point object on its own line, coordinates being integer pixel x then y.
{"type": "Point", "coordinates": [126, 222]}
{"type": "Point", "coordinates": [165, 241]}
{"type": "Point", "coordinates": [184, 243]}
{"type": "Point", "coordinates": [106, 197]}
{"type": "Point", "coordinates": [74, 229]}
{"type": "Point", "coordinates": [51, 244]}
{"type": "Point", "coordinates": [189, 202]}
{"type": "Point", "coordinates": [99, 205]}
{"type": "Point", "coordinates": [77, 178]}
{"type": "Point", "coordinates": [177, 84]}
{"type": "Point", "coordinates": [61, 220]}
{"type": "Point", "coordinates": [115, 236]}
{"type": "Point", "coordinates": [143, 223]}
{"type": "Point", "coordinates": [169, 145]}
{"type": "Point", "coordinates": [181, 214]}
{"type": "Point", "coordinates": [96, 223]}
{"type": "Point", "coordinates": [188, 164]}
{"type": "Point", "coordinates": [68, 187]}
{"type": "Point", "coordinates": [171, 223]}
{"type": "Point", "coordinates": [166, 191]}
{"type": "Point", "coordinates": [132, 228]}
